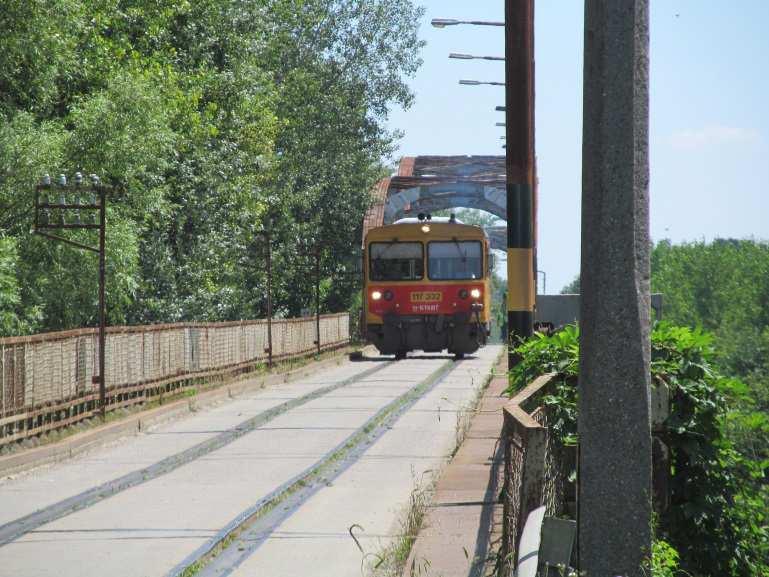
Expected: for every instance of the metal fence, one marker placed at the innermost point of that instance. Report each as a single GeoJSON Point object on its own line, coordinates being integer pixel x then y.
{"type": "Point", "coordinates": [47, 380]}
{"type": "Point", "coordinates": [536, 468]}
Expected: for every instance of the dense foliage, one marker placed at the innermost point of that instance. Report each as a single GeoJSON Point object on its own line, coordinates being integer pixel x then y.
{"type": "Point", "coordinates": [718, 519]}
{"type": "Point", "coordinates": [213, 120]}
{"type": "Point", "coordinates": [723, 287]}
{"type": "Point", "coordinates": [571, 288]}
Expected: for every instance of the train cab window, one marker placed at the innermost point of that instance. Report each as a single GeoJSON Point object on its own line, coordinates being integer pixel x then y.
{"type": "Point", "coordinates": [396, 261]}
{"type": "Point", "coordinates": [454, 260]}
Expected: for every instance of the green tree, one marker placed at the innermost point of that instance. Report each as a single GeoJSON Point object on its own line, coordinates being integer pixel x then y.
{"type": "Point", "coordinates": [472, 216]}
{"type": "Point", "coordinates": [11, 322]}
{"type": "Point", "coordinates": [206, 118]}
{"type": "Point", "coordinates": [571, 288]}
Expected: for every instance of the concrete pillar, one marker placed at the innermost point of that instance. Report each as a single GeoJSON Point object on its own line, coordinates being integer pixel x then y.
{"type": "Point", "coordinates": [615, 463]}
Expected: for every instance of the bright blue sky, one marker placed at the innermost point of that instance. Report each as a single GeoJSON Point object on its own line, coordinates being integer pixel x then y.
{"type": "Point", "coordinates": [709, 115]}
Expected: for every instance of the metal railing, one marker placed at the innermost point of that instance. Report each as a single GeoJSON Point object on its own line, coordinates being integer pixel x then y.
{"type": "Point", "coordinates": [536, 468]}
{"type": "Point", "coordinates": [50, 380]}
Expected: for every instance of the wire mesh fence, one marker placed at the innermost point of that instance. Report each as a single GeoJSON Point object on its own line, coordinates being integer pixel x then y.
{"type": "Point", "coordinates": [50, 380]}
{"type": "Point", "coordinates": [537, 466]}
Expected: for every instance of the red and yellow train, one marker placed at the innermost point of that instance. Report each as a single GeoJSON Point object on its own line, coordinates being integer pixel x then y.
{"type": "Point", "coordinates": [427, 286]}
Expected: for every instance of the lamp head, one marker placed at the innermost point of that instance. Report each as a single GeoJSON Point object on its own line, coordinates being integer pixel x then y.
{"type": "Point", "coordinates": [443, 22]}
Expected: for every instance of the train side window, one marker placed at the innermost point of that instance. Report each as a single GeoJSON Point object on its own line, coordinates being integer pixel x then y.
{"type": "Point", "coordinates": [396, 261]}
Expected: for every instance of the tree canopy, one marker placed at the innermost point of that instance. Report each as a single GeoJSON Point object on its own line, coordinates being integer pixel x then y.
{"type": "Point", "coordinates": [211, 120]}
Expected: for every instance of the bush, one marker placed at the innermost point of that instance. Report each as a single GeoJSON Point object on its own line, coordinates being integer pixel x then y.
{"type": "Point", "coordinates": [717, 519]}
{"type": "Point", "coordinates": [665, 560]}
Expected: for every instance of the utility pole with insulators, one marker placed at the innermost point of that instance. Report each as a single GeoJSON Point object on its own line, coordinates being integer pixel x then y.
{"type": "Point", "coordinates": [78, 206]}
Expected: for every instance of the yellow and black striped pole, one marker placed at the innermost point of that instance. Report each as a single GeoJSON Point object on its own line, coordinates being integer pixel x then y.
{"type": "Point", "coordinates": [520, 263]}
{"type": "Point", "coordinates": [520, 171]}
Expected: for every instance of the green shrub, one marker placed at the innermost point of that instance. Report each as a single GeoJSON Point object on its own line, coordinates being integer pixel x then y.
{"type": "Point", "coordinates": [665, 560]}
{"type": "Point", "coordinates": [717, 519]}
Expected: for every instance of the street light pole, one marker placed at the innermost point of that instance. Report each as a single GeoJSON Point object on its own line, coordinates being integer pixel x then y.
{"type": "Point", "coordinates": [520, 164]}
{"type": "Point", "coordinates": [520, 170]}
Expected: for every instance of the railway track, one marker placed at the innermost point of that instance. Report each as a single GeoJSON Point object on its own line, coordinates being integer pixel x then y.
{"type": "Point", "coordinates": [18, 527]}
{"type": "Point", "coordinates": [214, 507]}
{"type": "Point", "coordinates": [245, 534]}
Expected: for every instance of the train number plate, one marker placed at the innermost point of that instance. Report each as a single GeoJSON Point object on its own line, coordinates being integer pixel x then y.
{"type": "Point", "coordinates": [426, 297]}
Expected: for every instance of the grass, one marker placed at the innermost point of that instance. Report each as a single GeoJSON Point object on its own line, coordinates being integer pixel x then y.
{"type": "Point", "coordinates": [391, 560]}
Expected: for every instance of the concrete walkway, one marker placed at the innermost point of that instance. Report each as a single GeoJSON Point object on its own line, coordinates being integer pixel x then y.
{"type": "Point", "coordinates": [148, 529]}
{"type": "Point", "coordinates": [465, 517]}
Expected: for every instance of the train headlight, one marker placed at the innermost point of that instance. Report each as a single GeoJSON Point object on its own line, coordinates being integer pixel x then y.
{"type": "Point", "coordinates": [463, 293]}
{"type": "Point", "coordinates": [425, 228]}
{"type": "Point", "coordinates": [376, 295]}
{"type": "Point", "coordinates": [388, 295]}
{"type": "Point", "coordinates": [475, 293]}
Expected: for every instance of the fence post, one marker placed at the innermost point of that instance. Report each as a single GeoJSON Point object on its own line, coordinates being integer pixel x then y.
{"type": "Point", "coordinates": [317, 296]}
{"type": "Point", "coordinates": [533, 476]}
{"type": "Point", "coordinates": [268, 241]}
{"type": "Point", "coordinates": [2, 381]}
{"type": "Point", "coordinates": [507, 546]}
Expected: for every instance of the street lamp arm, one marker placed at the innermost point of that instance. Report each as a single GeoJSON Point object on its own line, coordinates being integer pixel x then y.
{"type": "Point", "coordinates": [479, 83]}
{"type": "Point", "coordinates": [443, 22]}
{"type": "Point", "coordinates": [483, 23]}
{"type": "Point", "coordinates": [456, 56]}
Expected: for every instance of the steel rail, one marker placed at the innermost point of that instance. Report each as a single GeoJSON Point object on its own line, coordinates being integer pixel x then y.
{"type": "Point", "coordinates": [251, 528]}
{"type": "Point", "coordinates": [14, 529]}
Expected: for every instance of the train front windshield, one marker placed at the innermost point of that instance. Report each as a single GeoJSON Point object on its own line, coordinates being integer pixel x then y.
{"type": "Point", "coordinates": [392, 261]}
{"type": "Point", "coordinates": [454, 260]}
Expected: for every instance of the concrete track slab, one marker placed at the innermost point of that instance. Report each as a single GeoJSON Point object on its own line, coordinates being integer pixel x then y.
{"type": "Point", "coordinates": [27, 492]}
{"type": "Point", "coordinates": [374, 492]}
{"type": "Point", "coordinates": [146, 530]}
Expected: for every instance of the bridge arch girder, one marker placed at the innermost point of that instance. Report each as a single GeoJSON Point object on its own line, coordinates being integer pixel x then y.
{"type": "Point", "coordinates": [497, 237]}
{"type": "Point", "coordinates": [431, 183]}
{"type": "Point", "coordinates": [442, 196]}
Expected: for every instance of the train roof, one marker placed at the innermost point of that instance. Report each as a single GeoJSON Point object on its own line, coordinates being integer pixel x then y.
{"type": "Point", "coordinates": [411, 229]}
{"type": "Point", "coordinates": [414, 220]}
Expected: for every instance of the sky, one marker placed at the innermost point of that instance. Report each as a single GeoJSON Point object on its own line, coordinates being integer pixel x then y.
{"type": "Point", "coordinates": [709, 115]}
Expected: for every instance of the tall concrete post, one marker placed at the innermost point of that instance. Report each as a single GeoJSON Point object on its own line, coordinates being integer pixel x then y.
{"type": "Point", "coordinates": [615, 463]}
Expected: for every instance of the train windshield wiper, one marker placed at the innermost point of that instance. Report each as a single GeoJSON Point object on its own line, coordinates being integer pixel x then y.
{"type": "Point", "coordinates": [463, 256]}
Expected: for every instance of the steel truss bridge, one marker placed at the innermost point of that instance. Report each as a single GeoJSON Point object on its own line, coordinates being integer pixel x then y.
{"type": "Point", "coordinates": [432, 183]}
